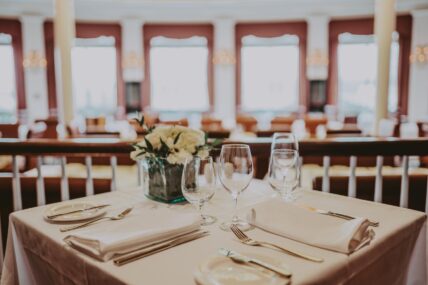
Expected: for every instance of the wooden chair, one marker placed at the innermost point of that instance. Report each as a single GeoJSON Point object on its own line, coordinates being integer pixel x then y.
{"type": "Point", "coordinates": [9, 130]}
{"type": "Point", "coordinates": [182, 122]}
{"type": "Point", "coordinates": [312, 123]}
{"type": "Point", "coordinates": [247, 122]}
{"type": "Point", "coordinates": [282, 123]}
{"type": "Point", "coordinates": [209, 123]}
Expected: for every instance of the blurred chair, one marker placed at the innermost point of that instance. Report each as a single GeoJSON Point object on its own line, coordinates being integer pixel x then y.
{"type": "Point", "coordinates": [282, 123]}
{"type": "Point", "coordinates": [247, 122]}
{"type": "Point", "coordinates": [9, 130]}
{"type": "Point", "coordinates": [47, 129]}
{"type": "Point", "coordinates": [182, 122]}
{"type": "Point", "coordinates": [312, 122]}
{"type": "Point", "coordinates": [209, 123]}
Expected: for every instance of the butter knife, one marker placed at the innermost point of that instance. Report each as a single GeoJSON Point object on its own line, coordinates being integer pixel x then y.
{"type": "Point", "coordinates": [77, 211]}
{"type": "Point", "coordinates": [240, 258]}
{"type": "Point", "coordinates": [335, 214]}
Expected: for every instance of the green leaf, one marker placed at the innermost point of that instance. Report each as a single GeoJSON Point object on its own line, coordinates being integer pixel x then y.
{"type": "Point", "coordinates": [140, 119]}
{"type": "Point", "coordinates": [177, 137]}
{"type": "Point", "coordinates": [149, 145]}
{"type": "Point", "coordinates": [164, 150]}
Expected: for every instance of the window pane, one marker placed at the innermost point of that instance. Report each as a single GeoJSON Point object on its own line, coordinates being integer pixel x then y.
{"type": "Point", "coordinates": [7, 80]}
{"type": "Point", "coordinates": [357, 67]}
{"type": "Point", "coordinates": [270, 74]}
{"type": "Point", "coordinates": [178, 74]}
{"type": "Point", "coordinates": [94, 77]}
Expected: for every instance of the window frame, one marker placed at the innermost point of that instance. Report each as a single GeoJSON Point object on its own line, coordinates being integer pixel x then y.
{"type": "Point", "coordinates": [271, 30]}
{"type": "Point", "coordinates": [365, 26]}
{"type": "Point", "coordinates": [85, 30]}
{"type": "Point", "coordinates": [13, 28]}
{"type": "Point", "coordinates": [176, 31]}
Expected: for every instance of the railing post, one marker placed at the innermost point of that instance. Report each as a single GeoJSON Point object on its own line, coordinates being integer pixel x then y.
{"type": "Point", "coordinates": [379, 179]}
{"type": "Point", "coordinates": [404, 192]}
{"type": "Point", "coordinates": [113, 162]}
{"type": "Point", "coordinates": [325, 177]}
{"type": "Point", "coordinates": [352, 183]}
{"type": "Point", "coordinates": [41, 198]}
{"type": "Point", "coordinates": [65, 193]}
{"type": "Point", "coordinates": [89, 180]}
{"type": "Point", "coordinates": [17, 198]}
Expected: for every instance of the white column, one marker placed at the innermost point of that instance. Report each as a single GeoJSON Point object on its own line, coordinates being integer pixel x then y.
{"type": "Point", "coordinates": [418, 88]}
{"type": "Point", "coordinates": [224, 71]}
{"type": "Point", "coordinates": [384, 27]}
{"type": "Point", "coordinates": [132, 50]}
{"type": "Point", "coordinates": [34, 67]}
{"type": "Point", "coordinates": [64, 31]}
{"type": "Point", "coordinates": [317, 49]}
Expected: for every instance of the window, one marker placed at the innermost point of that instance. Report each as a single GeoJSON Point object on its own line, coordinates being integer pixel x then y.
{"type": "Point", "coordinates": [179, 74]}
{"type": "Point", "coordinates": [94, 76]}
{"type": "Point", "coordinates": [357, 67]}
{"type": "Point", "coordinates": [270, 73]}
{"type": "Point", "coordinates": [8, 97]}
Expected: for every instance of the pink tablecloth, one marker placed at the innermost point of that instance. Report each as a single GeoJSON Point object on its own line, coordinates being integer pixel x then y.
{"type": "Point", "coordinates": [36, 253]}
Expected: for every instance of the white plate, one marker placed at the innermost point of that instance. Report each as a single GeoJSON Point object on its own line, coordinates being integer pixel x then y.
{"type": "Point", "coordinates": [222, 270]}
{"type": "Point", "coordinates": [75, 217]}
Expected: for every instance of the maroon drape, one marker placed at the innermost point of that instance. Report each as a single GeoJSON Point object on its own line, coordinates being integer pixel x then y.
{"type": "Point", "coordinates": [274, 30]}
{"type": "Point", "coordinates": [176, 31]}
{"type": "Point", "coordinates": [13, 28]}
{"type": "Point", "coordinates": [366, 27]}
{"type": "Point", "coordinates": [84, 30]}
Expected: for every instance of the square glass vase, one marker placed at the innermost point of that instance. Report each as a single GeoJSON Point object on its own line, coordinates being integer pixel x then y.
{"type": "Point", "coordinates": [162, 181]}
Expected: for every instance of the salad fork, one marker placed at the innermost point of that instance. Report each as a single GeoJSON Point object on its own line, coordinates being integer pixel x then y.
{"type": "Point", "coordinates": [249, 241]}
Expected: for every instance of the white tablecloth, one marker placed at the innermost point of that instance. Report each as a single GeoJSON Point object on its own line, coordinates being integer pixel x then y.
{"type": "Point", "coordinates": [36, 253]}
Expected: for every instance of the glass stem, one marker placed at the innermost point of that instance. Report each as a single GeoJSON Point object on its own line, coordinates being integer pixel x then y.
{"type": "Point", "coordinates": [200, 206]}
{"type": "Point", "coordinates": [235, 218]}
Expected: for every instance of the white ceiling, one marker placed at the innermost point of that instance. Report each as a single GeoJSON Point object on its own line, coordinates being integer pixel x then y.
{"type": "Point", "coordinates": [204, 10]}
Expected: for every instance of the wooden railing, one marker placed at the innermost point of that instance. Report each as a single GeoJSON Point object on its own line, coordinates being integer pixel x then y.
{"type": "Point", "coordinates": [114, 148]}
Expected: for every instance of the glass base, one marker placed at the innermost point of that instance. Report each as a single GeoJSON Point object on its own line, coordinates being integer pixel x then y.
{"type": "Point", "coordinates": [241, 224]}
{"type": "Point", "coordinates": [208, 220]}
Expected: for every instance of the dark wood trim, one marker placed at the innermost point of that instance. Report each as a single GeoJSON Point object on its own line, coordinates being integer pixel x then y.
{"type": "Point", "coordinates": [366, 27]}
{"type": "Point", "coordinates": [177, 31]}
{"type": "Point", "coordinates": [84, 30]}
{"type": "Point", "coordinates": [274, 30]}
{"type": "Point", "coordinates": [13, 28]}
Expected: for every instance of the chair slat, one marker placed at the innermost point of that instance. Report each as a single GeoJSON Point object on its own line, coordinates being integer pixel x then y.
{"type": "Point", "coordinates": [16, 185]}
{"type": "Point", "coordinates": [41, 199]}
{"type": "Point", "coordinates": [404, 191]}
{"type": "Point", "coordinates": [89, 180]}
{"type": "Point", "coordinates": [113, 162]}
{"type": "Point", "coordinates": [325, 177]}
{"type": "Point", "coordinates": [65, 193]}
{"type": "Point", "coordinates": [140, 173]}
{"type": "Point", "coordinates": [352, 183]}
{"type": "Point", "coordinates": [378, 182]}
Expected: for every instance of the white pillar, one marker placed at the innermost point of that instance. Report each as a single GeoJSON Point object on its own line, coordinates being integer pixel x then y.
{"type": "Point", "coordinates": [64, 31]}
{"type": "Point", "coordinates": [317, 49]}
{"type": "Point", "coordinates": [384, 27]}
{"type": "Point", "coordinates": [224, 71]}
{"type": "Point", "coordinates": [132, 50]}
{"type": "Point", "coordinates": [34, 67]}
{"type": "Point", "coordinates": [418, 88]}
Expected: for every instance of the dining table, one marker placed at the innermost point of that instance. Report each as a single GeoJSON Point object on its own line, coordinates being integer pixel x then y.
{"type": "Point", "coordinates": [37, 254]}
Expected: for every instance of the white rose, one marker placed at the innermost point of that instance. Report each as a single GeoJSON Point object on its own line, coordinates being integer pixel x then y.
{"type": "Point", "coordinates": [179, 157]}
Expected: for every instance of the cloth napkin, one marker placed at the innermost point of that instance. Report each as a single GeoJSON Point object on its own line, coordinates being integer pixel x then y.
{"type": "Point", "coordinates": [315, 229]}
{"type": "Point", "coordinates": [140, 228]}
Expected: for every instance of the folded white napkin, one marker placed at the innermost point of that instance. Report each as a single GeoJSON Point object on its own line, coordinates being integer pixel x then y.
{"type": "Point", "coordinates": [315, 229]}
{"type": "Point", "coordinates": [140, 228]}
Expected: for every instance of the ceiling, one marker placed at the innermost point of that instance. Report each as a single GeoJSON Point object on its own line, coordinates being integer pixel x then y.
{"type": "Point", "coordinates": [204, 10]}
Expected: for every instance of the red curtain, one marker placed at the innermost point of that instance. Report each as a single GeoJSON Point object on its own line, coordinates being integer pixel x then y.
{"type": "Point", "coordinates": [274, 30]}
{"type": "Point", "coordinates": [84, 30]}
{"type": "Point", "coordinates": [366, 27]}
{"type": "Point", "coordinates": [176, 31]}
{"type": "Point", "coordinates": [13, 28]}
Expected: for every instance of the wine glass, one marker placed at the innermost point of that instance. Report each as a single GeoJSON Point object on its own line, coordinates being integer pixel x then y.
{"type": "Point", "coordinates": [236, 172]}
{"type": "Point", "coordinates": [198, 184]}
{"type": "Point", "coordinates": [284, 141]}
{"type": "Point", "coordinates": [283, 175]}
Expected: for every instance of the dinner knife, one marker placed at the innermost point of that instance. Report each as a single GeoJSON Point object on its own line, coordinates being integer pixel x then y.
{"type": "Point", "coordinates": [77, 211]}
{"type": "Point", "coordinates": [240, 258]}
{"type": "Point", "coordinates": [335, 214]}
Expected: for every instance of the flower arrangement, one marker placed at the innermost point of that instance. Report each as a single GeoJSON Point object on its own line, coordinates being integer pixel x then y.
{"type": "Point", "coordinates": [164, 151]}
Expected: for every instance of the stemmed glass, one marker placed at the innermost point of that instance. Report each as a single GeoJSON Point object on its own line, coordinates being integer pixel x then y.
{"type": "Point", "coordinates": [236, 172]}
{"type": "Point", "coordinates": [198, 184]}
{"type": "Point", "coordinates": [283, 175]}
{"type": "Point", "coordinates": [284, 141]}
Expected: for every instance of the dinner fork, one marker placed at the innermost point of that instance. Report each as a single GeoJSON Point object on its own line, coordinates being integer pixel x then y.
{"type": "Point", "coordinates": [119, 216]}
{"type": "Point", "coordinates": [249, 241]}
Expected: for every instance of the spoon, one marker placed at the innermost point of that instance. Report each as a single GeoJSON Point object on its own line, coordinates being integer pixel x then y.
{"type": "Point", "coordinates": [117, 217]}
